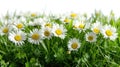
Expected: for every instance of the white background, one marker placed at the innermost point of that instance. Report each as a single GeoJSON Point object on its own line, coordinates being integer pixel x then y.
{"type": "Point", "coordinates": [60, 6]}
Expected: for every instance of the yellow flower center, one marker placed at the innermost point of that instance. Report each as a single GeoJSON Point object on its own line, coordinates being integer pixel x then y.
{"type": "Point", "coordinates": [58, 32]}
{"type": "Point", "coordinates": [74, 45]}
{"type": "Point", "coordinates": [35, 36]}
{"type": "Point", "coordinates": [18, 38]}
{"type": "Point", "coordinates": [5, 30]}
{"type": "Point", "coordinates": [108, 32]}
{"type": "Point", "coordinates": [96, 30]}
{"type": "Point", "coordinates": [48, 25]}
{"type": "Point", "coordinates": [46, 33]}
{"type": "Point", "coordinates": [73, 15]}
{"type": "Point", "coordinates": [33, 14]}
{"type": "Point", "coordinates": [66, 20]}
{"type": "Point", "coordinates": [81, 26]}
{"type": "Point", "coordinates": [20, 25]}
{"type": "Point", "coordinates": [90, 38]}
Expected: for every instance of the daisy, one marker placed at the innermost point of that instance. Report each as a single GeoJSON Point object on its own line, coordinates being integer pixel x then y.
{"type": "Point", "coordinates": [46, 24]}
{"type": "Point", "coordinates": [5, 29]}
{"type": "Point", "coordinates": [35, 36]}
{"type": "Point", "coordinates": [46, 32]}
{"type": "Point", "coordinates": [96, 27]}
{"type": "Point", "coordinates": [17, 37]}
{"type": "Point", "coordinates": [36, 22]}
{"type": "Point", "coordinates": [109, 32]}
{"type": "Point", "coordinates": [73, 15]}
{"type": "Point", "coordinates": [33, 14]}
{"type": "Point", "coordinates": [18, 25]}
{"type": "Point", "coordinates": [73, 44]}
{"type": "Point", "coordinates": [59, 31]}
{"type": "Point", "coordinates": [65, 20]}
{"type": "Point", "coordinates": [91, 37]}
{"type": "Point", "coordinates": [80, 25]}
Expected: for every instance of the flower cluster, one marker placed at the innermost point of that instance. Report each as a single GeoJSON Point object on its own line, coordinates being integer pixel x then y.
{"type": "Point", "coordinates": [39, 40]}
{"type": "Point", "coordinates": [36, 29]}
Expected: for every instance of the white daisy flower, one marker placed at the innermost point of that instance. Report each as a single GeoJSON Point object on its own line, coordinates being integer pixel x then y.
{"type": "Point", "coordinates": [46, 32]}
{"type": "Point", "coordinates": [35, 36]}
{"type": "Point", "coordinates": [18, 25]}
{"type": "Point", "coordinates": [59, 31]}
{"type": "Point", "coordinates": [36, 22]}
{"type": "Point", "coordinates": [80, 25]}
{"type": "Point", "coordinates": [5, 29]}
{"type": "Point", "coordinates": [33, 14]}
{"type": "Point", "coordinates": [109, 32]}
{"type": "Point", "coordinates": [73, 44]}
{"type": "Point", "coordinates": [17, 37]}
{"type": "Point", "coordinates": [73, 15]}
{"type": "Point", "coordinates": [91, 37]}
{"type": "Point", "coordinates": [46, 24]}
{"type": "Point", "coordinates": [65, 20]}
{"type": "Point", "coordinates": [96, 27]}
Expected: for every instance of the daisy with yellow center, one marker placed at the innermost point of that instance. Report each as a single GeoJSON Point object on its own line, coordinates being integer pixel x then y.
{"type": "Point", "coordinates": [67, 20]}
{"type": "Point", "coordinates": [80, 25]}
{"type": "Point", "coordinates": [91, 37]}
{"type": "Point", "coordinates": [109, 32]}
{"type": "Point", "coordinates": [46, 32]}
{"type": "Point", "coordinates": [59, 31]}
{"type": "Point", "coordinates": [96, 27]}
{"type": "Point", "coordinates": [46, 24]}
{"type": "Point", "coordinates": [73, 15]}
{"type": "Point", "coordinates": [35, 36]}
{"type": "Point", "coordinates": [17, 37]}
{"type": "Point", "coordinates": [18, 25]}
{"type": "Point", "coordinates": [33, 14]}
{"type": "Point", "coordinates": [5, 29]}
{"type": "Point", "coordinates": [36, 22]}
{"type": "Point", "coordinates": [73, 44]}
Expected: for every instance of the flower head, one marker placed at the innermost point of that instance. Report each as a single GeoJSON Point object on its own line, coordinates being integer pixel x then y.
{"type": "Point", "coordinates": [59, 31]}
{"type": "Point", "coordinates": [91, 37]}
{"type": "Point", "coordinates": [17, 37]}
{"type": "Point", "coordinates": [46, 32]}
{"type": "Point", "coordinates": [96, 27]}
{"type": "Point", "coordinates": [109, 32]}
{"type": "Point", "coordinates": [73, 44]}
{"type": "Point", "coordinates": [35, 36]}
{"type": "Point", "coordinates": [5, 29]}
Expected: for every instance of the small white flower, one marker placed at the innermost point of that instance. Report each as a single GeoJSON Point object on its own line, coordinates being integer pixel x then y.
{"type": "Point", "coordinates": [17, 37]}
{"type": "Point", "coordinates": [35, 36]}
{"type": "Point", "coordinates": [47, 24]}
{"type": "Point", "coordinates": [73, 44]}
{"type": "Point", "coordinates": [65, 20]}
{"type": "Point", "coordinates": [36, 22]}
{"type": "Point", "coordinates": [96, 27]}
{"type": "Point", "coordinates": [59, 31]}
{"type": "Point", "coordinates": [81, 25]}
{"type": "Point", "coordinates": [46, 32]}
{"type": "Point", "coordinates": [73, 15]}
{"type": "Point", "coordinates": [91, 37]}
{"type": "Point", "coordinates": [109, 32]}
{"type": "Point", "coordinates": [18, 25]}
{"type": "Point", "coordinates": [5, 29]}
